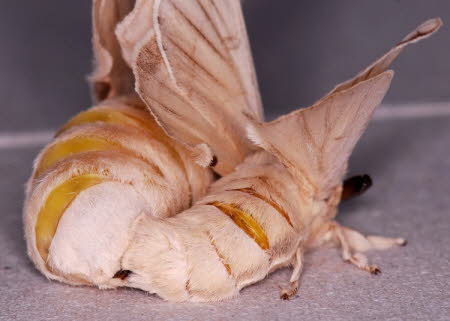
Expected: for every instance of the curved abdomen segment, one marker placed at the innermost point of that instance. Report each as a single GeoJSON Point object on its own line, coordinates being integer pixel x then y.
{"type": "Point", "coordinates": [105, 167]}
{"type": "Point", "coordinates": [233, 237]}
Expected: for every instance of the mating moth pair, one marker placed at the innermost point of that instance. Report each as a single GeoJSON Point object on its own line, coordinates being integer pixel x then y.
{"type": "Point", "coordinates": [124, 195]}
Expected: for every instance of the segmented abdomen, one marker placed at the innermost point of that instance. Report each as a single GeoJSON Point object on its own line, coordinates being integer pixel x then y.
{"type": "Point", "coordinates": [105, 166]}
{"type": "Point", "coordinates": [245, 228]}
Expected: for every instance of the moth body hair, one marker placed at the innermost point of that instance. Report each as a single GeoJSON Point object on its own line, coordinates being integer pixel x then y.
{"type": "Point", "coordinates": [141, 172]}
{"type": "Point", "coordinates": [279, 203]}
{"type": "Point", "coordinates": [176, 92]}
{"type": "Point", "coordinates": [206, 250]}
{"type": "Point", "coordinates": [123, 147]}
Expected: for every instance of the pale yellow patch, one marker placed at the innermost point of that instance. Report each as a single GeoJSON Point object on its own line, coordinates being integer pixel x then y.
{"type": "Point", "coordinates": [55, 205]}
{"type": "Point", "coordinates": [70, 147]}
{"type": "Point", "coordinates": [245, 222]}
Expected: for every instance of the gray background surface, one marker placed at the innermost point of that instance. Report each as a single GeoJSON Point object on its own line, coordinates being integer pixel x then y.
{"type": "Point", "coordinates": [301, 49]}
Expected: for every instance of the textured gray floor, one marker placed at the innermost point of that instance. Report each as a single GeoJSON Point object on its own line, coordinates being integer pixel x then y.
{"type": "Point", "coordinates": [410, 164]}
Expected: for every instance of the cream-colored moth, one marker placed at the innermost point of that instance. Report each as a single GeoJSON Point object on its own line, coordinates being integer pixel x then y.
{"type": "Point", "coordinates": [112, 162]}
{"type": "Point", "coordinates": [280, 202]}
{"type": "Point", "coordinates": [192, 68]}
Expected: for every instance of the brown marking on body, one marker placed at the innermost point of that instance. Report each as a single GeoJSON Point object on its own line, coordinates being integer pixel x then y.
{"type": "Point", "coordinates": [187, 286]}
{"type": "Point", "coordinates": [278, 208]}
{"type": "Point", "coordinates": [221, 258]}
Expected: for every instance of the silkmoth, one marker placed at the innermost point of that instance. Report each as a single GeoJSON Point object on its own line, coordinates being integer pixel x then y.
{"type": "Point", "coordinates": [112, 162]}
{"type": "Point", "coordinates": [191, 66]}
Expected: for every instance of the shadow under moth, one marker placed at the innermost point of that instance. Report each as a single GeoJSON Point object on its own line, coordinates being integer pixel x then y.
{"type": "Point", "coordinates": [125, 194]}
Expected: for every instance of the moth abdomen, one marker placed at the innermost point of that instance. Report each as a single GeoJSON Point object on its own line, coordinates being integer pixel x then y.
{"type": "Point", "coordinates": [232, 238]}
{"type": "Point", "coordinates": [251, 191]}
{"type": "Point", "coordinates": [245, 222]}
{"type": "Point", "coordinates": [99, 205]}
{"type": "Point", "coordinates": [105, 151]}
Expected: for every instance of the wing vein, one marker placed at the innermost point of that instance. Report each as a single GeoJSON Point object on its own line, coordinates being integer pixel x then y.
{"type": "Point", "coordinates": [200, 33]}
{"type": "Point", "coordinates": [196, 63]}
{"type": "Point", "coordinates": [159, 42]}
{"type": "Point", "coordinates": [231, 60]}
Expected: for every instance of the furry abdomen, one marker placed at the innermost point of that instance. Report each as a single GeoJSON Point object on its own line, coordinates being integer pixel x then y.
{"type": "Point", "coordinates": [232, 238]}
{"type": "Point", "coordinates": [104, 168]}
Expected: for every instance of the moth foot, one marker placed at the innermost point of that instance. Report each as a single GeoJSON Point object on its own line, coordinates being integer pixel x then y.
{"type": "Point", "coordinates": [289, 292]}
{"type": "Point", "coordinates": [373, 269]}
{"type": "Point", "coordinates": [292, 289]}
{"type": "Point", "coordinates": [361, 262]}
{"type": "Point", "coordinates": [354, 243]}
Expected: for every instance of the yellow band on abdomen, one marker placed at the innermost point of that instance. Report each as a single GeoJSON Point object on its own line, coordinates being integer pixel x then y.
{"type": "Point", "coordinates": [55, 205]}
{"type": "Point", "coordinates": [245, 222]}
{"type": "Point", "coordinates": [76, 145]}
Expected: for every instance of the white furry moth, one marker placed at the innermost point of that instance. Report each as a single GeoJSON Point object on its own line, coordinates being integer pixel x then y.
{"type": "Point", "coordinates": [280, 202]}
{"type": "Point", "coordinates": [112, 162]}
{"type": "Point", "coordinates": [192, 68]}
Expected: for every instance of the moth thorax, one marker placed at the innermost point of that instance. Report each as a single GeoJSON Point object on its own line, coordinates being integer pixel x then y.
{"type": "Point", "coordinates": [328, 203]}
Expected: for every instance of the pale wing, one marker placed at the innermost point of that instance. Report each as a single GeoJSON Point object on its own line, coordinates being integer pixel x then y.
{"type": "Point", "coordinates": [194, 70]}
{"type": "Point", "coordinates": [315, 143]}
{"type": "Point", "coordinates": [111, 76]}
{"type": "Point", "coordinates": [423, 31]}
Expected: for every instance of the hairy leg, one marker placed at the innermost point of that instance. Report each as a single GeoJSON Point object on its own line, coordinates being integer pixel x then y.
{"type": "Point", "coordinates": [291, 290]}
{"type": "Point", "coordinates": [354, 243]}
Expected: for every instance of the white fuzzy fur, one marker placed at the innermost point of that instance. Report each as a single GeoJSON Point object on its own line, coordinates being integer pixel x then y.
{"type": "Point", "coordinates": [92, 235]}
{"type": "Point", "coordinates": [165, 255]}
{"type": "Point", "coordinates": [182, 182]}
{"type": "Point", "coordinates": [307, 154]}
{"type": "Point", "coordinates": [202, 254]}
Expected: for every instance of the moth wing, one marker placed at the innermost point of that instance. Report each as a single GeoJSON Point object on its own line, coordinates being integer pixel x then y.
{"type": "Point", "coordinates": [315, 143]}
{"type": "Point", "coordinates": [423, 31]}
{"type": "Point", "coordinates": [194, 70]}
{"type": "Point", "coordinates": [111, 76]}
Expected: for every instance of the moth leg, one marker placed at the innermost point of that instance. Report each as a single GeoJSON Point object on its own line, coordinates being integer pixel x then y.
{"type": "Point", "coordinates": [292, 288]}
{"type": "Point", "coordinates": [354, 243]}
